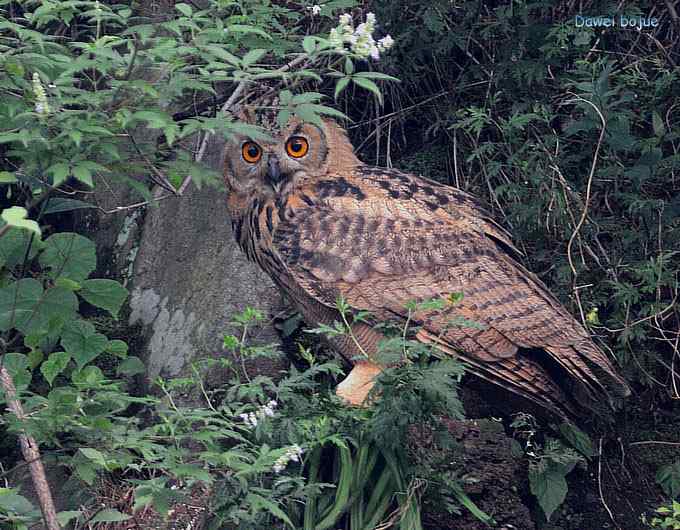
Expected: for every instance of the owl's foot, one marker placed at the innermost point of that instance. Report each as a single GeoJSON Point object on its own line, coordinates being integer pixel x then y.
{"type": "Point", "coordinates": [355, 387]}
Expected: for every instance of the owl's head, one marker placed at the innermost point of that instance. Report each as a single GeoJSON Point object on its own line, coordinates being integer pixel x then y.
{"type": "Point", "coordinates": [295, 153]}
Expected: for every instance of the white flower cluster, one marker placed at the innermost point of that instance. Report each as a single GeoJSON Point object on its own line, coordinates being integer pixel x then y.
{"type": "Point", "coordinates": [41, 104]}
{"type": "Point", "coordinates": [360, 39]}
{"type": "Point", "coordinates": [265, 411]}
{"type": "Point", "coordinates": [293, 453]}
{"type": "Point", "coordinates": [315, 9]}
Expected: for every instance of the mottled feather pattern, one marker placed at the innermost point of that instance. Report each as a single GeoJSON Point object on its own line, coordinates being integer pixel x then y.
{"type": "Point", "coordinates": [380, 238]}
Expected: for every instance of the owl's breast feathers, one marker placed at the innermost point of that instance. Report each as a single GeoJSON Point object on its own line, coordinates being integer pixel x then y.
{"type": "Point", "coordinates": [381, 238]}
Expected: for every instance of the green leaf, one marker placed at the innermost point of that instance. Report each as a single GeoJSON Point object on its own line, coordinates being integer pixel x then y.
{"type": "Point", "coordinates": [105, 294]}
{"type": "Point", "coordinates": [377, 75]}
{"type": "Point", "coordinates": [58, 205]}
{"type": "Point", "coordinates": [17, 244]}
{"type": "Point", "coordinates": [368, 85]}
{"type": "Point", "coordinates": [56, 364]}
{"type": "Point", "coordinates": [117, 347]}
{"type": "Point", "coordinates": [66, 517]}
{"type": "Point", "coordinates": [18, 367]}
{"type": "Point", "coordinates": [25, 306]}
{"type": "Point", "coordinates": [109, 515]}
{"type": "Point", "coordinates": [131, 366]}
{"type": "Point", "coordinates": [12, 502]}
{"type": "Point", "coordinates": [341, 85]}
{"type": "Point", "coordinates": [657, 122]}
{"type": "Point", "coordinates": [309, 44]}
{"type": "Point", "coordinates": [83, 174]}
{"type": "Point", "coordinates": [253, 56]}
{"type": "Point", "coordinates": [59, 171]}
{"type": "Point", "coordinates": [95, 456]}
{"type": "Point", "coordinates": [16, 217]}
{"type": "Point", "coordinates": [668, 477]}
{"type": "Point", "coordinates": [577, 439]}
{"type": "Point", "coordinates": [81, 340]}
{"type": "Point", "coordinates": [7, 178]}
{"type": "Point", "coordinates": [242, 28]}
{"type": "Point", "coordinates": [549, 486]}
{"type": "Point", "coordinates": [69, 255]}
{"type": "Point", "coordinates": [185, 9]}
{"type": "Point", "coordinates": [67, 284]}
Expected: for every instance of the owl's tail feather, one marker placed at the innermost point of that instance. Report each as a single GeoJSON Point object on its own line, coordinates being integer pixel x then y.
{"type": "Point", "coordinates": [519, 375]}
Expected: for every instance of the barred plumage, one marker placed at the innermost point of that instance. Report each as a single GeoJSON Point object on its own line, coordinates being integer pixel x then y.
{"type": "Point", "coordinates": [324, 225]}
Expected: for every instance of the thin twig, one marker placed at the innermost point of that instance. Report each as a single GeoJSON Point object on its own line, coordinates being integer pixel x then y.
{"type": "Point", "coordinates": [586, 204]}
{"type": "Point", "coordinates": [599, 485]}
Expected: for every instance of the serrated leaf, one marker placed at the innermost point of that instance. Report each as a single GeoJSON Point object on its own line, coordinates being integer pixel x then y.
{"type": "Point", "coordinates": [131, 366]}
{"type": "Point", "coordinates": [69, 255]}
{"type": "Point", "coordinates": [105, 294]}
{"type": "Point", "coordinates": [54, 365]}
{"type": "Point", "coordinates": [82, 341]}
{"type": "Point", "coordinates": [16, 217]}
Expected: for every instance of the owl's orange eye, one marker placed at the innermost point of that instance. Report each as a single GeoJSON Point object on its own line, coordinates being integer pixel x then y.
{"type": "Point", "coordinates": [251, 152]}
{"type": "Point", "coordinates": [297, 147]}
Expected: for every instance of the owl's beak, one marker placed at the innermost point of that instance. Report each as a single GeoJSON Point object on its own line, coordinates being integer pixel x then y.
{"type": "Point", "coordinates": [273, 170]}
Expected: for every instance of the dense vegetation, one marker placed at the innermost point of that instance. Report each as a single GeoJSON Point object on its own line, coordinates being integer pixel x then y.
{"type": "Point", "coordinates": [569, 133]}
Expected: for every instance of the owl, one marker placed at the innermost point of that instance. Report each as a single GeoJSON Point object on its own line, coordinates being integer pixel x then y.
{"type": "Point", "coordinates": [324, 225]}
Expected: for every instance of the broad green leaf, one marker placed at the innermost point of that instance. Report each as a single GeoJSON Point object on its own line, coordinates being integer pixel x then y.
{"type": "Point", "coordinates": [16, 504]}
{"type": "Point", "coordinates": [67, 284]}
{"type": "Point", "coordinates": [242, 28]}
{"type": "Point", "coordinates": [18, 367]}
{"type": "Point", "coordinates": [89, 376]}
{"type": "Point", "coordinates": [25, 306]}
{"type": "Point", "coordinates": [65, 517]}
{"type": "Point", "coordinates": [131, 366]}
{"type": "Point", "coordinates": [309, 45]}
{"type": "Point", "coordinates": [94, 455]}
{"type": "Point", "coordinates": [549, 486]}
{"type": "Point", "coordinates": [16, 217]}
{"type": "Point", "coordinates": [668, 477]}
{"type": "Point", "coordinates": [82, 341]}
{"type": "Point", "coordinates": [69, 255]}
{"type": "Point", "coordinates": [55, 365]}
{"type": "Point", "coordinates": [7, 178]}
{"type": "Point", "coordinates": [105, 294]}
{"type": "Point", "coordinates": [117, 347]}
{"type": "Point", "coordinates": [578, 439]}
{"type": "Point", "coordinates": [185, 9]}
{"type": "Point", "coordinates": [109, 516]}
{"type": "Point", "coordinates": [60, 172]}
{"type": "Point", "coordinates": [83, 174]}
{"type": "Point", "coordinates": [14, 247]}
{"type": "Point", "coordinates": [58, 205]}
{"type": "Point", "coordinates": [253, 56]}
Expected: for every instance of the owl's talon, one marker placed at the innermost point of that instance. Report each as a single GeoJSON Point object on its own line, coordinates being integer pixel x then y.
{"type": "Point", "coordinates": [355, 387]}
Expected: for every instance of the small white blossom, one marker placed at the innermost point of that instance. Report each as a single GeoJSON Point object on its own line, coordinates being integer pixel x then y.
{"type": "Point", "coordinates": [386, 42]}
{"type": "Point", "coordinates": [293, 453]}
{"type": "Point", "coordinates": [265, 411]}
{"type": "Point", "coordinates": [359, 39]}
{"type": "Point", "coordinates": [41, 104]}
{"type": "Point", "coordinates": [315, 9]}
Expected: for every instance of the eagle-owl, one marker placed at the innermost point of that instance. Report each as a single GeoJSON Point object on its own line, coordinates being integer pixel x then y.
{"type": "Point", "coordinates": [323, 224]}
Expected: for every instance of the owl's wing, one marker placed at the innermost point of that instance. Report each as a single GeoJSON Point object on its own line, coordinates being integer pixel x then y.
{"type": "Point", "coordinates": [379, 252]}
